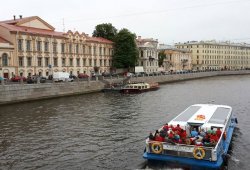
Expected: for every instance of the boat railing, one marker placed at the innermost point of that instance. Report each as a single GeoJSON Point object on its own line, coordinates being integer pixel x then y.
{"type": "Point", "coordinates": [176, 149]}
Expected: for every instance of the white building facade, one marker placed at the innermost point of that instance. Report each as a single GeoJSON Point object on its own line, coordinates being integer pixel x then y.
{"type": "Point", "coordinates": [148, 54]}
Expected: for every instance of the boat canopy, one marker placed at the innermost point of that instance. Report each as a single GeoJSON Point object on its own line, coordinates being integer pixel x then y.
{"type": "Point", "coordinates": [201, 114]}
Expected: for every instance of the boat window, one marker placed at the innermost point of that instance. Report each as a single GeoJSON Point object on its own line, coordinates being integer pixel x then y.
{"type": "Point", "coordinates": [135, 87]}
{"type": "Point", "coordinates": [219, 116]}
{"type": "Point", "coordinates": [187, 114]}
{"type": "Point", "coordinates": [139, 87]}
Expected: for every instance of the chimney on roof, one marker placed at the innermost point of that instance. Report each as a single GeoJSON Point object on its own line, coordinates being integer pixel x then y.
{"type": "Point", "coordinates": [20, 16]}
{"type": "Point", "coordinates": [14, 17]}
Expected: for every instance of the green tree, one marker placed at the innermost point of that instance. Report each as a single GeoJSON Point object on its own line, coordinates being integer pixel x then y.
{"type": "Point", "coordinates": [125, 50]}
{"type": "Point", "coordinates": [106, 30]}
{"type": "Point", "coordinates": [161, 57]}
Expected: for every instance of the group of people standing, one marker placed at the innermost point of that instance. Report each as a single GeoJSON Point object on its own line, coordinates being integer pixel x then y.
{"type": "Point", "coordinates": [176, 134]}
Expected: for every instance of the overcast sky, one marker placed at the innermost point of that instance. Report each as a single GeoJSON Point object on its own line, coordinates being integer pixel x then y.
{"type": "Point", "coordinates": [166, 20]}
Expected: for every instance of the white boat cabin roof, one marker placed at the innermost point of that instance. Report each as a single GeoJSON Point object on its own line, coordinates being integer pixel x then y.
{"type": "Point", "coordinates": [137, 85]}
{"type": "Point", "coordinates": [205, 115]}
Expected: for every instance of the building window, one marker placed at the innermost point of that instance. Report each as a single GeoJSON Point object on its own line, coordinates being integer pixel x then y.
{"type": "Point", "coordinates": [94, 62]}
{"type": "Point", "coordinates": [100, 62]}
{"type": "Point", "coordinates": [77, 48]}
{"type": "Point", "coordinates": [47, 73]}
{"type": "Point", "coordinates": [83, 49]}
{"type": "Point", "coordinates": [20, 61]}
{"type": "Point", "coordinates": [54, 47]}
{"type": "Point", "coordinates": [90, 50]}
{"type": "Point", "coordinates": [28, 47]}
{"type": "Point", "coordinates": [104, 51]}
{"type": "Point", "coordinates": [78, 62]}
{"type": "Point", "coordinates": [70, 48]}
{"type": "Point", "coordinates": [63, 62]}
{"type": "Point", "coordinates": [90, 62]}
{"type": "Point", "coordinates": [71, 61]}
{"type": "Point", "coordinates": [55, 62]}
{"type": "Point", "coordinates": [94, 50]}
{"type": "Point", "coordinates": [46, 61]}
{"type": "Point", "coordinates": [29, 61]}
{"type": "Point", "coordinates": [100, 50]}
{"type": "Point", "coordinates": [20, 45]}
{"type": "Point", "coordinates": [46, 46]}
{"type": "Point", "coordinates": [39, 61]}
{"type": "Point", "coordinates": [38, 43]}
{"type": "Point", "coordinates": [84, 61]}
{"type": "Point", "coordinates": [104, 63]}
{"type": "Point", "coordinates": [5, 59]}
{"type": "Point", "coordinates": [63, 48]}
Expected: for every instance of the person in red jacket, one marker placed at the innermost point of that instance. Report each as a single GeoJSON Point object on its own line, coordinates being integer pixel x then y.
{"type": "Point", "coordinates": [218, 132]}
{"type": "Point", "coordinates": [183, 135]}
{"type": "Point", "coordinates": [165, 127]}
{"type": "Point", "coordinates": [213, 138]}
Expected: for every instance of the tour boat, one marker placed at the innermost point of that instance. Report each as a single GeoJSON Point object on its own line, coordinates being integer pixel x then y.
{"type": "Point", "coordinates": [139, 87]}
{"type": "Point", "coordinates": [207, 151]}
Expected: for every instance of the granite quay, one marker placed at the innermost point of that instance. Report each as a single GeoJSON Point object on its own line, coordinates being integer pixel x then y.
{"type": "Point", "coordinates": [11, 93]}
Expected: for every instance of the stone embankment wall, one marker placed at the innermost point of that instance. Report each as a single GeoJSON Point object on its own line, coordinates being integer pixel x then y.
{"type": "Point", "coordinates": [25, 92]}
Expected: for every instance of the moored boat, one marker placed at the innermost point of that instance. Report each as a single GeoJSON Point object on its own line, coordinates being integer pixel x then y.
{"type": "Point", "coordinates": [139, 87]}
{"type": "Point", "coordinates": [191, 139]}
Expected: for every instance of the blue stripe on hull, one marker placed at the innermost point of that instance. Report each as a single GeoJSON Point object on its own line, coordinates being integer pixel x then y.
{"type": "Point", "coordinates": [183, 160]}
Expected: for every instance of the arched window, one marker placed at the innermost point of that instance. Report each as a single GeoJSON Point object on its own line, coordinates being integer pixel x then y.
{"type": "Point", "coordinates": [5, 59]}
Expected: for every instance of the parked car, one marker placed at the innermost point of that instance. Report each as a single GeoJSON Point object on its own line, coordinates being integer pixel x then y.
{"type": "Point", "coordinates": [82, 75]}
{"type": "Point", "coordinates": [3, 79]}
{"type": "Point", "coordinates": [95, 74]}
{"type": "Point", "coordinates": [62, 76]}
{"type": "Point", "coordinates": [18, 78]}
{"type": "Point", "coordinates": [34, 79]}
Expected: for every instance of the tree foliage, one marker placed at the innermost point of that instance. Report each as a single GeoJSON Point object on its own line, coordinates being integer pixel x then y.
{"type": "Point", "coordinates": [125, 50]}
{"type": "Point", "coordinates": [105, 30]}
{"type": "Point", "coordinates": [161, 57]}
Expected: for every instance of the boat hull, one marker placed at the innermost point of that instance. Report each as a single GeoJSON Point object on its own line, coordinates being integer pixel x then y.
{"type": "Point", "coordinates": [136, 91]}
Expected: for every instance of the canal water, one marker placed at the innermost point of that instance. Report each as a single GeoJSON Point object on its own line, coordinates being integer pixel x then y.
{"type": "Point", "coordinates": [108, 131]}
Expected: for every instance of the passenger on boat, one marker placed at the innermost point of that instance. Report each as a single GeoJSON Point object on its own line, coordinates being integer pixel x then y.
{"type": "Point", "coordinates": [163, 133]}
{"type": "Point", "coordinates": [206, 139]}
{"type": "Point", "coordinates": [183, 135]}
{"type": "Point", "coordinates": [178, 128]}
{"type": "Point", "coordinates": [202, 133]}
{"type": "Point", "coordinates": [171, 135]}
{"type": "Point", "coordinates": [177, 137]}
{"type": "Point", "coordinates": [159, 138]}
{"type": "Point", "coordinates": [218, 132]}
{"type": "Point", "coordinates": [213, 138]}
{"type": "Point", "coordinates": [165, 127]}
{"type": "Point", "coordinates": [151, 136]}
{"type": "Point", "coordinates": [194, 133]}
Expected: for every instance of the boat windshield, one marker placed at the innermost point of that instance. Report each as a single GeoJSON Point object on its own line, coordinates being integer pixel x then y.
{"type": "Point", "coordinates": [219, 116]}
{"type": "Point", "coordinates": [187, 114]}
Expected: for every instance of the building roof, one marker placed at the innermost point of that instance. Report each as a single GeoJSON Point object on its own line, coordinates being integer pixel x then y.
{"type": "Point", "coordinates": [2, 40]}
{"type": "Point", "coordinates": [213, 42]}
{"type": "Point", "coordinates": [99, 39]}
{"type": "Point", "coordinates": [21, 21]}
{"type": "Point", "coordinates": [20, 25]}
{"type": "Point", "coordinates": [30, 30]}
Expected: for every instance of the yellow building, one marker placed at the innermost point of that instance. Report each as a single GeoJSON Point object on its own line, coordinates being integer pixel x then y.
{"type": "Point", "coordinates": [176, 59]}
{"type": "Point", "coordinates": [39, 49]}
{"type": "Point", "coordinates": [6, 58]}
{"type": "Point", "coordinates": [212, 55]}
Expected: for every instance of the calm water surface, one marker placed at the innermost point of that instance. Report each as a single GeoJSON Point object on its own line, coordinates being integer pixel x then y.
{"type": "Point", "coordinates": [108, 131]}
